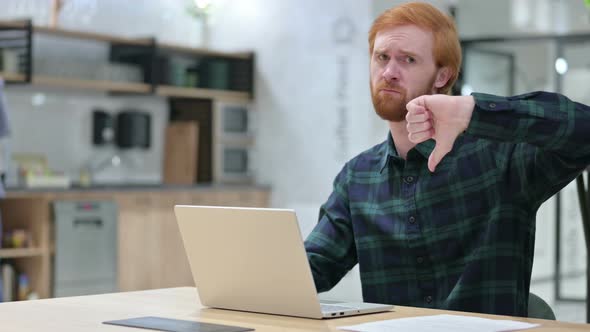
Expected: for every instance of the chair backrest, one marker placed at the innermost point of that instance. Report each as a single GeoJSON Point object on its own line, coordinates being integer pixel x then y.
{"type": "Point", "coordinates": [538, 308]}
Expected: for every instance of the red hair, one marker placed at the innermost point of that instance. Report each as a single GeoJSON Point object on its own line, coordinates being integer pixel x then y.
{"type": "Point", "coordinates": [446, 50]}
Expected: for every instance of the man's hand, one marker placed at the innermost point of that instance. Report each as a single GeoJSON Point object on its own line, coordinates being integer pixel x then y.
{"type": "Point", "coordinates": [440, 117]}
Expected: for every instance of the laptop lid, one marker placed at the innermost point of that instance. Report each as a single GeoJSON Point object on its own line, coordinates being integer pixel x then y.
{"type": "Point", "coordinates": [248, 259]}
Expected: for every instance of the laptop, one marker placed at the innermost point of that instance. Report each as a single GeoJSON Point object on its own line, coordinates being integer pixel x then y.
{"type": "Point", "coordinates": [253, 259]}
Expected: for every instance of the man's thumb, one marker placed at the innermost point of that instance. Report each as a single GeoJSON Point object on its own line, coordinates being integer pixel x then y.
{"type": "Point", "coordinates": [440, 150]}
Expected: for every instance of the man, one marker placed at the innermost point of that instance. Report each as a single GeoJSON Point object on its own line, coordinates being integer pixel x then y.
{"type": "Point", "coordinates": [442, 214]}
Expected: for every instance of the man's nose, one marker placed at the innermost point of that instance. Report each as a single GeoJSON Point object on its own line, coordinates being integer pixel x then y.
{"type": "Point", "coordinates": [391, 73]}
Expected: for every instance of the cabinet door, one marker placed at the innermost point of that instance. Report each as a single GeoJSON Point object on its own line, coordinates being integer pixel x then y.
{"type": "Point", "coordinates": [139, 243]}
{"type": "Point", "coordinates": [175, 269]}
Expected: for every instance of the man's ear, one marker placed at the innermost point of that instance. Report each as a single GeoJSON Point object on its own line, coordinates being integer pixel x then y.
{"type": "Point", "coordinates": [443, 75]}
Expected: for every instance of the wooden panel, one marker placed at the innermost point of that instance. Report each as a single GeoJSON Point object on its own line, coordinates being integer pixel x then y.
{"type": "Point", "coordinates": [203, 51]}
{"type": "Point", "coordinates": [174, 270]}
{"type": "Point", "coordinates": [180, 153]}
{"type": "Point", "coordinates": [139, 243]}
{"type": "Point", "coordinates": [72, 83]}
{"type": "Point", "coordinates": [20, 252]}
{"type": "Point", "coordinates": [91, 36]}
{"type": "Point", "coordinates": [197, 110]}
{"type": "Point", "coordinates": [176, 91]}
{"type": "Point", "coordinates": [13, 77]}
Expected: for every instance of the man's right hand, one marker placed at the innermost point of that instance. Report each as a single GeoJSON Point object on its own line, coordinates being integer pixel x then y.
{"type": "Point", "coordinates": [440, 117]}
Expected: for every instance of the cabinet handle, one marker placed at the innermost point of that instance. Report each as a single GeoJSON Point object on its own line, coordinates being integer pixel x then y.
{"type": "Point", "coordinates": [88, 222]}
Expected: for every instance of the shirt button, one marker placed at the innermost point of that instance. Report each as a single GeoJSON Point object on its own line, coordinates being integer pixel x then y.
{"type": "Point", "coordinates": [420, 259]}
{"type": "Point", "coordinates": [412, 220]}
{"type": "Point", "coordinates": [428, 299]}
{"type": "Point", "coordinates": [409, 179]}
{"type": "Point", "coordinates": [492, 105]}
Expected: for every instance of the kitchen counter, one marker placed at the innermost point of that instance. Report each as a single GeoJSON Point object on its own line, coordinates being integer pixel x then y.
{"type": "Point", "coordinates": [121, 188]}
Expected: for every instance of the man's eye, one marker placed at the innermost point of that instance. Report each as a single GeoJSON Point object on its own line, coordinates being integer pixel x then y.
{"type": "Point", "coordinates": [410, 59]}
{"type": "Point", "coordinates": [382, 57]}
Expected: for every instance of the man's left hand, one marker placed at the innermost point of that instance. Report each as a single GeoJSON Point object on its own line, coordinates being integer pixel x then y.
{"type": "Point", "coordinates": [440, 117]}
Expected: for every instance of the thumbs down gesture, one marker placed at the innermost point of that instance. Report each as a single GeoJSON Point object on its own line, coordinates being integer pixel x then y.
{"type": "Point", "coordinates": [440, 117]}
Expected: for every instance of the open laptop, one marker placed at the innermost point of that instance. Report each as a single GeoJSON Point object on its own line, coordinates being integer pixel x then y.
{"type": "Point", "coordinates": [253, 259]}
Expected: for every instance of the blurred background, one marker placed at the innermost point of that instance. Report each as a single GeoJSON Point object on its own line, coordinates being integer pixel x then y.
{"type": "Point", "coordinates": [114, 111]}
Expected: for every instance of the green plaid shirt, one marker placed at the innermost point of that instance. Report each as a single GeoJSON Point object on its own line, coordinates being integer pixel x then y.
{"type": "Point", "coordinates": [461, 238]}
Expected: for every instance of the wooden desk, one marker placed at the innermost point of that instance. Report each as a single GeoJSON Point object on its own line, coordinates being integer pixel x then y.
{"type": "Point", "coordinates": [86, 313]}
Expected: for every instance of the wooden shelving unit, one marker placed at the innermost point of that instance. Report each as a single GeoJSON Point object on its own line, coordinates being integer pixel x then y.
{"type": "Point", "coordinates": [175, 91]}
{"type": "Point", "coordinates": [123, 87]}
{"type": "Point", "coordinates": [203, 51]}
{"type": "Point", "coordinates": [13, 77]}
{"type": "Point", "coordinates": [35, 262]}
{"type": "Point", "coordinates": [20, 252]}
{"type": "Point", "coordinates": [90, 36]}
{"type": "Point", "coordinates": [151, 86]}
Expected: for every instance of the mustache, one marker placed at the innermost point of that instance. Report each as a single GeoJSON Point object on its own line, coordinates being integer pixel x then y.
{"type": "Point", "coordinates": [394, 86]}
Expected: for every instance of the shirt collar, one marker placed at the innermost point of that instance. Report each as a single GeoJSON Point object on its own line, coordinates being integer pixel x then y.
{"type": "Point", "coordinates": [389, 152]}
{"type": "Point", "coordinates": [424, 148]}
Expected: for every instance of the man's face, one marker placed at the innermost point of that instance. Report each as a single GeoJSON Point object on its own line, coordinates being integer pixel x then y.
{"type": "Point", "coordinates": [402, 68]}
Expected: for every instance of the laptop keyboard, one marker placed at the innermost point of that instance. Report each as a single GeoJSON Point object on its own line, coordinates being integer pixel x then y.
{"type": "Point", "coordinates": [331, 307]}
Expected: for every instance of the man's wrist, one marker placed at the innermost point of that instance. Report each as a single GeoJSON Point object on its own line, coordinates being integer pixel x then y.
{"type": "Point", "coordinates": [467, 106]}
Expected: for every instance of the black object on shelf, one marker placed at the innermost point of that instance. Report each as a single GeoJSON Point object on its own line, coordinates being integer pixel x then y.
{"type": "Point", "coordinates": [133, 130]}
{"type": "Point", "coordinates": [165, 66]}
{"type": "Point", "coordinates": [143, 56]}
{"type": "Point", "coordinates": [103, 128]}
{"type": "Point", "coordinates": [241, 75]}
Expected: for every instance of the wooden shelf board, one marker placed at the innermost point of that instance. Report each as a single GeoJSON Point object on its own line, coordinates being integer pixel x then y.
{"type": "Point", "coordinates": [92, 84]}
{"type": "Point", "coordinates": [129, 87]}
{"type": "Point", "coordinates": [13, 77]}
{"type": "Point", "coordinates": [90, 36]}
{"type": "Point", "coordinates": [174, 91]}
{"type": "Point", "coordinates": [204, 51]}
{"type": "Point", "coordinates": [17, 24]}
{"type": "Point", "coordinates": [21, 252]}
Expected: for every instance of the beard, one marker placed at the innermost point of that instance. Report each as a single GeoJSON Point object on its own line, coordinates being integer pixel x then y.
{"type": "Point", "coordinates": [392, 107]}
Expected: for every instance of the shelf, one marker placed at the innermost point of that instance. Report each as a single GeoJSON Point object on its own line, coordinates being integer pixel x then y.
{"type": "Point", "coordinates": [203, 51]}
{"type": "Point", "coordinates": [174, 91]}
{"type": "Point", "coordinates": [143, 53]}
{"type": "Point", "coordinates": [74, 83]}
{"type": "Point", "coordinates": [91, 36]}
{"type": "Point", "coordinates": [21, 252]}
{"type": "Point", "coordinates": [125, 87]}
{"type": "Point", "coordinates": [129, 87]}
{"type": "Point", "coordinates": [13, 77]}
{"type": "Point", "coordinates": [18, 24]}
{"type": "Point", "coordinates": [123, 40]}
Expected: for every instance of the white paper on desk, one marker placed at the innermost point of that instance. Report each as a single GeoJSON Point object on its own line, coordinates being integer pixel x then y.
{"type": "Point", "coordinates": [437, 323]}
